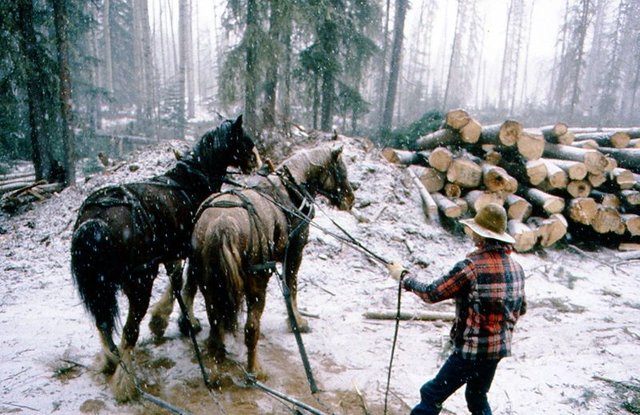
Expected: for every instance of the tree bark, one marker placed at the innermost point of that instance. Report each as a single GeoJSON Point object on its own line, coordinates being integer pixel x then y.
{"type": "Point", "coordinates": [617, 139]}
{"type": "Point", "coordinates": [429, 206]}
{"type": "Point", "coordinates": [549, 203]}
{"type": "Point", "coordinates": [518, 208]}
{"type": "Point", "coordinates": [68, 139]}
{"type": "Point", "coordinates": [505, 134]}
{"type": "Point", "coordinates": [627, 158]}
{"type": "Point", "coordinates": [593, 160]}
{"type": "Point", "coordinates": [396, 57]}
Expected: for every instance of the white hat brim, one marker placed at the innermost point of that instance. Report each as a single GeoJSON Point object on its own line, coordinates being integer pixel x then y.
{"type": "Point", "coordinates": [487, 233]}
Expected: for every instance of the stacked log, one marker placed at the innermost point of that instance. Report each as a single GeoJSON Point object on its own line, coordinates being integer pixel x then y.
{"type": "Point", "coordinates": [551, 180]}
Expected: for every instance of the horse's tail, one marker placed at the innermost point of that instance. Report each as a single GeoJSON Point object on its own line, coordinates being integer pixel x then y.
{"type": "Point", "coordinates": [226, 271]}
{"type": "Point", "coordinates": [94, 274]}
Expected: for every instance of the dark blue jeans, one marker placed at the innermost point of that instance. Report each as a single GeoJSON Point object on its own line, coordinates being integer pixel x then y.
{"type": "Point", "coordinates": [456, 371]}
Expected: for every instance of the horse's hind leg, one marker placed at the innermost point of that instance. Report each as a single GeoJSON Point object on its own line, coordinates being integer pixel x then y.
{"type": "Point", "coordinates": [163, 308]}
{"type": "Point", "coordinates": [255, 298]}
{"type": "Point", "coordinates": [291, 278]}
{"type": "Point", "coordinates": [188, 295]}
{"type": "Point", "coordinates": [138, 292]}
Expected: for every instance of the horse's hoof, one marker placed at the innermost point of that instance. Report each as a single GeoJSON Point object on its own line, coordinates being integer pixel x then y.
{"type": "Point", "coordinates": [158, 325]}
{"type": "Point", "coordinates": [184, 326]}
{"type": "Point", "coordinates": [123, 386]}
{"type": "Point", "coordinates": [109, 365]}
{"type": "Point", "coordinates": [217, 352]}
{"type": "Point", "coordinates": [259, 374]}
{"type": "Point", "coordinates": [303, 326]}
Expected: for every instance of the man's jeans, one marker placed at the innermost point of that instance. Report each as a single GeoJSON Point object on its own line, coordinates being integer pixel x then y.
{"type": "Point", "coordinates": [456, 371]}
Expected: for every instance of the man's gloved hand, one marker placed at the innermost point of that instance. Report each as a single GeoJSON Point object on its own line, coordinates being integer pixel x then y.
{"type": "Point", "coordinates": [396, 270]}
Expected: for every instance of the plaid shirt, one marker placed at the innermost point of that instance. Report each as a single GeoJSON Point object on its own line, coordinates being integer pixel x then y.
{"type": "Point", "coordinates": [488, 287]}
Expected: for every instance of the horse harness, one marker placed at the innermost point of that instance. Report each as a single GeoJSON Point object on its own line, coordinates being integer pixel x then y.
{"type": "Point", "coordinates": [296, 216]}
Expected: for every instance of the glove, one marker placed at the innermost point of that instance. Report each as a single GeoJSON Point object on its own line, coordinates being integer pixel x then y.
{"type": "Point", "coordinates": [396, 270]}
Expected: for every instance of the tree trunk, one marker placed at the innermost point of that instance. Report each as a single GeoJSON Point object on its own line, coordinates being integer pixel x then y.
{"type": "Point", "coordinates": [405, 157]}
{"type": "Point", "coordinates": [448, 208]}
{"type": "Point", "coordinates": [40, 143]}
{"type": "Point", "coordinates": [531, 145]}
{"type": "Point", "coordinates": [505, 134]}
{"type": "Point", "coordinates": [582, 210]}
{"type": "Point", "coordinates": [440, 159]}
{"type": "Point", "coordinates": [191, 96]}
{"type": "Point", "coordinates": [250, 85]}
{"type": "Point", "coordinates": [579, 188]}
{"type": "Point", "coordinates": [617, 139]}
{"type": "Point", "coordinates": [431, 179]}
{"type": "Point", "coordinates": [396, 57]}
{"type": "Point", "coordinates": [182, 69]}
{"type": "Point", "coordinates": [477, 199]}
{"type": "Point", "coordinates": [627, 158]}
{"type": "Point", "coordinates": [464, 172]}
{"type": "Point", "coordinates": [607, 220]}
{"type": "Point", "coordinates": [68, 139]}
{"type": "Point", "coordinates": [106, 38]}
{"type": "Point", "coordinates": [549, 203]}
{"type": "Point", "coordinates": [526, 238]}
{"type": "Point", "coordinates": [549, 230]}
{"type": "Point", "coordinates": [429, 206]}
{"type": "Point", "coordinates": [575, 170]}
{"type": "Point", "coordinates": [271, 81]}
{"type": "Point", "coordinates": [593, 160]}
{"type": "Point", "coordinates": [518, 208]}
{"type": "Point", "coordinates": [631, 223]}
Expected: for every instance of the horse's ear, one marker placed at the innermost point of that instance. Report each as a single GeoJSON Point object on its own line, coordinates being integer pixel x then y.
{"type": "Point", "coordinates": [237, 124]}
{"type": "Point", "coordinates": [336, 151]}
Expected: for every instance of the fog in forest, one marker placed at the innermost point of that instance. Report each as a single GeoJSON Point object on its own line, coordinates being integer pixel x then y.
{"type": "Point", "coordinates": [153, 68]}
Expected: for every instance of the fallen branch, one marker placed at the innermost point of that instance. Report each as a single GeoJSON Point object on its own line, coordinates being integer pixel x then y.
{"type": "Point", "coordinates": [626, 385]}
{"type": "Point", "coordinates": [391, 315]}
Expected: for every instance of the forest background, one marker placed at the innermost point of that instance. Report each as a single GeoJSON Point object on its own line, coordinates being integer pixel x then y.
{"type": "Point", "coordinates": [75, 72]}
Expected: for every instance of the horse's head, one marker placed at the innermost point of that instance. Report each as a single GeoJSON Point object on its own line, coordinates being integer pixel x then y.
{"type": "Point", "coordinates": [332, 181]}
{"type": "Point", "coordinates": [244, 153]}
{"type": "Point", "coordinates": [227, 145]}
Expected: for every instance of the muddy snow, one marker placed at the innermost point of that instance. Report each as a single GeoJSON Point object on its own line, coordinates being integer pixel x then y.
{"type": "Point", "coordinates": [581, 333]}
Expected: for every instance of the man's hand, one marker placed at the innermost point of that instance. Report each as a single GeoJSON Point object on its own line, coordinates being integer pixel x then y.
{"type": "Point", "coordinates": [396, 270]}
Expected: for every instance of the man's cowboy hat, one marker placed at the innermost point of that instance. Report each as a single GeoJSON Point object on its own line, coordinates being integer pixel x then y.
{"type": "Point", "coordinates": [490, 222]}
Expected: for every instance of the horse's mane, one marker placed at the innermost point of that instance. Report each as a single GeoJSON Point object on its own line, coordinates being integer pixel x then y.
{"type": "Point", "coordinates": [211, 146]}
{"type": "Point", "coordinates": [303, 163]}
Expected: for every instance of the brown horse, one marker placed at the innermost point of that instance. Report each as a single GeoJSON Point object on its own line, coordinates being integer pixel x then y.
{"type": "Point", "coordinates": [124, 232]}
{"type": "Point", "coordinates": [239, 235]}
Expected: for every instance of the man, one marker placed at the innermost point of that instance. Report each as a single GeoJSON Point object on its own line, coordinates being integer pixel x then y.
{"type": "Point", "coordinates": [488, 288]}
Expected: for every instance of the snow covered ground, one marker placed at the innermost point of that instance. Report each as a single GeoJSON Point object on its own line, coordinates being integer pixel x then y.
{"type": "Point", "coordinates": [582, 326]}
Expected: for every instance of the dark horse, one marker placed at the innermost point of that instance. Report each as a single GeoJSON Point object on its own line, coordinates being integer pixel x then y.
{"type": "Point", "coordinates": [124, 232]}
{"type": "Point", "coordinates": [239, 235]}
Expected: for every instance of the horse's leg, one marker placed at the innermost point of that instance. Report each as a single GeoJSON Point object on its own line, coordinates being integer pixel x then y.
{"type": "Point", "coordinates": [138, 292]}
{"type": "Point", "coordinates": [163, 308]}
{"type": "Point", "coordinates": [291, 277]}
{"type": "Point", "coordinates": [215, 342]}
{"type": "Point", "coordinates": [161, 311]}
{"type": "Point", "coordinates": [188, 294]}
{"type": "Point", "coordinates": [111, 353]}
{"type": "Point", "coordinates": [256, 289]}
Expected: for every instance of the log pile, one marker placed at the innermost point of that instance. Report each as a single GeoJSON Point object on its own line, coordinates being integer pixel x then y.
{"type": "Point", "coordinates": [555, 182]}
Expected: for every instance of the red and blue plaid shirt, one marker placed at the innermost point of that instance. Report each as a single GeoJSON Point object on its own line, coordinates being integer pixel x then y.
{"type": "Point", "coordinates": [488, 288]}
